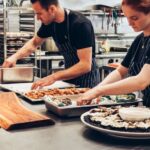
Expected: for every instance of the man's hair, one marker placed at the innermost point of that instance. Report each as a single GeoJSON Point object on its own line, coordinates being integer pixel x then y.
{"type": "Point", "coordinates": [46, 3]}
{"type": "Point", "coordinates": [139, 5]}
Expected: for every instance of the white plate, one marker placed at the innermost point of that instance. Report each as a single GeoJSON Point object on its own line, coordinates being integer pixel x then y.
{"type": "Point", "coordinates": [115, 133]}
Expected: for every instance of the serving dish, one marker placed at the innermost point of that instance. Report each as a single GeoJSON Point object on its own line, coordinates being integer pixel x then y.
{"type": "Point", "coordinates": [66, 105]}
{"type": "Point", "coordinates": [100, 122]}
{"type": "Point", "coordinates": [23, 88]}
{"type": "Point", "coordinates": [38, 95]}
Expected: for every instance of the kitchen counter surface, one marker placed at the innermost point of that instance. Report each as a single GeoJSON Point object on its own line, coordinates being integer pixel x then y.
{"type": "Point", "coordinates": [101, 59]}
{"type": "Point", "coordinates": [103, 55]}
{"type": "Point", "coordinates": [111, 55]}
{"type": "Point", "coordinates": [66, 134]}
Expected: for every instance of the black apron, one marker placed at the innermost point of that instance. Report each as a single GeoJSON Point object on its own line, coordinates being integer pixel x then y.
{"type": "Point", "coordinates": [69, 53]}
{"type": "Point", "coordinates": [136, 66]}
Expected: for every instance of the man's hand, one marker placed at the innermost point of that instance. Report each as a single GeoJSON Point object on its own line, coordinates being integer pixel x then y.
{"type": "Point", "coordinates": [44, 82]}
{"type": "Point", "coordinates": [9, 62]}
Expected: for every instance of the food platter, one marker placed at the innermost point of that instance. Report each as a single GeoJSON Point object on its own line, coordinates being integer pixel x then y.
{"type": "Point", "coordinates": [39, 95]}
{"type": "Point", "coordinates": [36, 96]}
{"type": "Point", "coordinates": [69, 108]}
{"type": "Point", "coordinates": [67, 111]}
{"type": "Point", "coordinates": [128, 134]}
{"type": "Point", "coordinates": [25, 87]}
{"type": "Point", "coordinates": [22, 88]}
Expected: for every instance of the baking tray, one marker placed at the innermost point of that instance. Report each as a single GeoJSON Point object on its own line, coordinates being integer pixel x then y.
{"type": "Point", "coordinates": [74, 110]}
{"type": "Point", "coordinates": [63, 93]}
{"type": "Point", "coordinates": [22, 88]}
{"type": "Point", "coordinates": [67, 111]}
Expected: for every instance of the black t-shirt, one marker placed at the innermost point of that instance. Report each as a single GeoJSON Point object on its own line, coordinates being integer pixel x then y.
{"type": "Point", "coordinates": [81, 31]}
{"type": "Point", "coordinates": [136, 52]}
{"type": "Point", "coordinates": [137, 56]}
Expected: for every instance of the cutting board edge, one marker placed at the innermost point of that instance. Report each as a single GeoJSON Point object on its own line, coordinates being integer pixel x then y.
{"type": "Point", "coordinates": [31, 124]}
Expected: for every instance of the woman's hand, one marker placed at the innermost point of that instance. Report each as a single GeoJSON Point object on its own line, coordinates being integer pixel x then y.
{"type": "Point", "coordinates": [44, 82]}
{"type": "Point", "coordinates": [88, 96]}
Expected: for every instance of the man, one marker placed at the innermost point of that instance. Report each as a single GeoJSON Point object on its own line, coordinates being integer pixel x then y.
{"type": "Point", "coordinates": [74, 36]}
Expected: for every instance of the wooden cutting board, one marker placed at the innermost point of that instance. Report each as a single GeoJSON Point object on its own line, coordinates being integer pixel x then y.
{"type": "Point", "coordinates": [13, 114]}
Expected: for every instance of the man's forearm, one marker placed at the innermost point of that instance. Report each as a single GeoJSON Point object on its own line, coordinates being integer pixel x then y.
{"type": "Point", "coordinates": [72, 72]}
{"type": "Point", "coordinates": [26, 50]}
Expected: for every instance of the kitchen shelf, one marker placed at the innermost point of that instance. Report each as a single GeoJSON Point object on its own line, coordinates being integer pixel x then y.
{"type": "Point", "coordinates": [11, 42]}
{"type": "Point", "coordinates": [27, 21]}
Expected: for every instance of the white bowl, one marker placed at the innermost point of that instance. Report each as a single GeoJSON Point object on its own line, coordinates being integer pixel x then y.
{"type": "Point", "coordinates": [134, 113]}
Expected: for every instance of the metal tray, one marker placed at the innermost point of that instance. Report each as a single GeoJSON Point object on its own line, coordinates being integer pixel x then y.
{"type": "Point", "coordinates": [22, 88]}
{"type": "Point", "coordinates": [31, 100]}
{"type": "Point", "coordinates": [17, 74]}
{"type": "Point", "coordinates": [41, 100]}
{"type": "Point", "coordinates": [67, 111]}
{"type": "Point", "coordinates": [74, 110]}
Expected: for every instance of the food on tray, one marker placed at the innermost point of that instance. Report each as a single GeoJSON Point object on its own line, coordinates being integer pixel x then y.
{"type": "Point", "coordinates": [115, 99]}
{"type": "Point", "coordinates": [37, 94]}
{"type": "Point", "coordinates": [72, 100]}
{"type": "Point", "coordinates": [134, 113]}
{"type": "Point", "coordinates": [118, 98]}
{"type": "Point", "coordinates": [60, 102]}
{"type": "Point", "coordinates": [109, 118]}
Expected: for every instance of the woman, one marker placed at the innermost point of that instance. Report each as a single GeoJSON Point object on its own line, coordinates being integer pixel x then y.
{"type": "Point", "coordinates": [137, 61]}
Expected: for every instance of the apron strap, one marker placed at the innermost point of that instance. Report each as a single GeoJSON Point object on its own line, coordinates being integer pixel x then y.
{"type": "Point", "coordinates": [68, 11]}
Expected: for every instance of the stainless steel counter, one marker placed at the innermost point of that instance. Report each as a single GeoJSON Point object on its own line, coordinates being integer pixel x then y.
{"type": "Point", "coordinates": [66, 134]}
{"type": "Point", "coordinates": [111, 55]}
{"type": "Point", "coordinates": [102, 60]}
{"type": "Point", "coordinates": [104, 55]}
{"type": "Point", "coordinates": [51, 57]}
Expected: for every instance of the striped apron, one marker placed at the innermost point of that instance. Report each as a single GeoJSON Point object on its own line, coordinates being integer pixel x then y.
{"type": "Point", "coordinates": [69, 53]}
{"type": "Point", "coordinates": [136, 66]}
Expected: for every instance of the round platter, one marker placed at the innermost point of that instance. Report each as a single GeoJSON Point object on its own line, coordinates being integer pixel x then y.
{"type": "Point", "coordinates": [115, 133]}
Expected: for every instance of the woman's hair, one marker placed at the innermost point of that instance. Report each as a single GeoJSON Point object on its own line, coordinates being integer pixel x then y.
{"type": "Point", "coordinates": [139, 5]}
{"type": "Point", "coordinates": [46, 3]}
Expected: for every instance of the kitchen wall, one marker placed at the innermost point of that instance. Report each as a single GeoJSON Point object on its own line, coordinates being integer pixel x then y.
{"type": "Point", "coordinates": [99, 27]}
{"type": "Point", "coordinates": [81, 4]}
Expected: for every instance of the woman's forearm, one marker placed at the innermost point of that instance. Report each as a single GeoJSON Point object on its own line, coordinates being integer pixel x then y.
{"type": "Point", "coordinates": [124, 86]}
{"type": "Point", "coordinates": [112, 77]}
